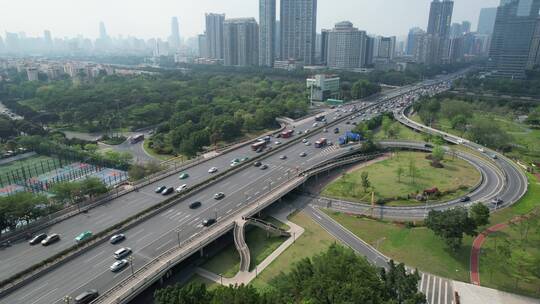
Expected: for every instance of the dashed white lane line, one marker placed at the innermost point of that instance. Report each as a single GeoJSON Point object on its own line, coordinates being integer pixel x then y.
{"type": "Point", "coordinates": [163, 245]}
{"type": "Point", "coordinates": [48, 293]}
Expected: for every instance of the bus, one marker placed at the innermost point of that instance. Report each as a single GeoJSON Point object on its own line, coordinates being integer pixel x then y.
{"type": "Point", "coordinates": [136, 138]}
{"type": "Point", "coordinates": [258, 146]}
{"type": "Point", "coordinates": [287, 133]}
{"type": "Point", "coordinates": [319, 117]}
{"type": "Point", "coordinates": [320, 143]}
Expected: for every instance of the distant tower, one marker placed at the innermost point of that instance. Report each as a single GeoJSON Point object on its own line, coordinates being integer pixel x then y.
{"type": "Point", "coordinates": [240, 42]}
{"type": "Point", "coordinates": [346, 46]}
{"type": "Point", "coordinates": [102, 31]}
{"type": "Point", "coordinates": [47, 37]}
{"type": "Point", "coordinates": [175, 34]}
{"type": "Point", "coordinates": [267, 28]}
{"type": "Point", "coordinates": [486, 21]}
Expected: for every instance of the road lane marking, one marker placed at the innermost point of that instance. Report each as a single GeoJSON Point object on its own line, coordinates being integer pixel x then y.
{"type": "Point", "coordinates": [440, 290]}
{"type": "Point", "coordinates": [163, 245]}
{"type": "Point", "coordinates": [33, 291]}
{"type": "Point", "coordinates": [445, 292]}
{"type": "Point", "coordinates": [137, 233]}
{"type": "Point", "coordinates": [433, 289]}
{"type": "Point", "coordinates": [48, 293]}
{"type": "Point", "coordinates": [93, 257]}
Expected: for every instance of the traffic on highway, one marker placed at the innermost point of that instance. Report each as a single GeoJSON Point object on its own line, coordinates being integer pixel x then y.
{"type": "Point", "coordinates": [105, 265]}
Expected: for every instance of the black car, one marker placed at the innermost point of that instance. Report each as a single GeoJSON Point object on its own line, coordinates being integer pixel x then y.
{"type": "Point", "coordinates": [257, 164]}
{"type": "Point", "coordinates": [195, 205]}
{"type": "Point", "coordinates": [160, 189]}
{"type": "Point", "coordinates": [208, 222]}
{"type": "Point", "coordinates": [428, 146]}
{"type": "Point", "coordinates": [37, 239]}
{"type": "Point", "coordinates": [86, 297]}
{"type": "Point", "coordinates": [167, 191]}
{"type": "Point", "coordinates": [336, 130]}
{"type": "Point", "coordinates": [464, 199]}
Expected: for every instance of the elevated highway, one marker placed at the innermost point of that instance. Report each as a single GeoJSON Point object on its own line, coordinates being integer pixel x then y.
{"type": "Point", "coordinates": [174, 234]}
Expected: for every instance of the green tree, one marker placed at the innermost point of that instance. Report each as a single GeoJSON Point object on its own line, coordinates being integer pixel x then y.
{"type": "Point", "coordinates": [451, 225]}
{"type": "Point", "coordinates": [480, 214]}
{"type": "Point", "coordinates": [364, 176]}
{"type": "Point", "coordinates": [399, 172]}
{"type": "Point", "coordinates": [413, 170]}
{"type": "Point", "coordinates": [437, 155]}
{"type": "Point", "coordinates": [93, 186]}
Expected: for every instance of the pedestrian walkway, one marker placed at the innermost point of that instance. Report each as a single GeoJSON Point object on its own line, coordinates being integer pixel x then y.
{"type": "Point", "coordinates": [474, 294]}
{"type": "Point", "coordinates": [246, 277]}
{"type": "Point", "coordinates": [437, 290]}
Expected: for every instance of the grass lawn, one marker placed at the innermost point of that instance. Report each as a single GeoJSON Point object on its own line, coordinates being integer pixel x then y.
{"type": "Point", "coordinates": [31, 164]}
{"type": "Point", "coordinates": [153, 153]}
{"type": "Point", "coordinates": [404, 134]}
{"type": "Point", "coordinates": [416, 247]}
{"type": "Point", "coordinates": [496, 274]}
{"type": "Point", "coordinates": [456, 176]}
{"type": "Point", "coordinates": [314, 240]}
{"type": "Point", "coordinates": [227, 262]}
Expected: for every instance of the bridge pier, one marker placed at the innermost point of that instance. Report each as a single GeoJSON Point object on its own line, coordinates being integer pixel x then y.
{"type": "Point", "coordinates": [201, 251]}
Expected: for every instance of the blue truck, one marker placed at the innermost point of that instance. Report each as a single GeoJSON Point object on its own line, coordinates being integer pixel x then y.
{"type": "Point", "coordinates": [349, 137]}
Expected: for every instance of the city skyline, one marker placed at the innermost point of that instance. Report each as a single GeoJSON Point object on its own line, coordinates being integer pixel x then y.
{"type": "Point", "coordinates": [149, 22]}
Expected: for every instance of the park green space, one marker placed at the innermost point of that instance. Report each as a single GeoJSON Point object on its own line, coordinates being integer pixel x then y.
{"type": "Point", "coordinates": [457, 176]}
{"type": "Point", "coordinates": [419, 247]}
{"type": "Point", "coordinates": [404, 133]}
{"type": "Point", "coordinates": [416, 247]}
{"type": "Point", "coordinates": [313, 241]}
{"type": "Point", "coordinates": [32, 164]}
{"type": "Point", "coordinates": [261, 245]}
{"type": "Point", "coordinates": [154, 154]}
{"type": "Point", "coordinates": [526, 140]}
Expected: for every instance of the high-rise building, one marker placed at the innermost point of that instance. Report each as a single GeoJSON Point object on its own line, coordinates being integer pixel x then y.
{"type": "Point", "coordinates": [513, 44]}
{"type": "Point", "coordinates": [174, 39]}
{"type": "Point", "coordinates": [298, 20]}
{"type": "Point", "coordinates": [370, 50]}
{"type": "Point", "coordinates": [277, 40]}
{"type": "Point", "coordinates": [440, 18]}
{"type": "Point", "coordinates": [422, 46]}
{"type": "Point", "coordinates": [214, 35]}
{"type": "Point", "coordinates": [32, 74]}
{"type": "Point", "coordinates": [267, 28]}
{"type": "Point", "coordinates": [486, 20]}
{"type": "Point", "coordinates": [456, 30]}
{"type": "Point", "coordinates": [241, 42]}
{"type": "Point", "coordinates": [412, 39]}
{"type": "Point", "coordinates": [47, 38]}
{"type": "Point", "coordinates": [203, 48]}
{"type": "Point", "coordinates": [387, 48]}
{"type": "Point", "coordinates": [102, 31]}
{"type": "Point", "coordinates": [465, 27]}
{"type": "Point", "coordinates": [346, 47]}
{"type": "Point", "coordinates": [324, 46]}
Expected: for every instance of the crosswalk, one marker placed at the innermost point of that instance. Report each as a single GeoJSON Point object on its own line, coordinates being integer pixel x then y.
{"type": "Point", "coordinates": [437, 290]}
{"type": "Point", "coordinates": [328, 150]}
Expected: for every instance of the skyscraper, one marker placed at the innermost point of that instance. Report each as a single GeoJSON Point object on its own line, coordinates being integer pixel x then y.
{"type": "Point", "coordinates": [387, 48]}
{"type": "Point", "coordinates": [412, 39]}
{"type": "Point", "coordinates": [466, 27]}
{"type": "Point", "coordinates": [440, 18]}
{"type": "Point", "coordinates": [203, 48]}
{"type": "Point", "coordinates": [324, 46]}
{"type": "Point", "coordinates": [512, 45]}
{"type": "Point", "coordinates": [241, 42]}
{"type": "Point", "coordinates": [214, 35]}
{"type": "Point", "coordinates": [267, 28]}
{"type": "Point", "coordinates": [174, 40]}
{"type": "Point", "coordinates": [346, 46]}
{"type": "Point", "coordinates": [102, 31]}
{"type": "Point", "coordinates": [487, 20]}
{"type": "Point", "coordinates": [47, 37]}
{"type": "Point", "coordinates": [370, 50]}
{"type": "Point", "coordinates": [298, 30]}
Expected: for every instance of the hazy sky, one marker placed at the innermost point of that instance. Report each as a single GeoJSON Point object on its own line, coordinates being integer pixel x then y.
{"type": "Point", "coordinates": [151, 18]}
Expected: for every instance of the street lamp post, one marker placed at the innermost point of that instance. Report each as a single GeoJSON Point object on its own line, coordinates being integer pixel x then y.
{"type": "Point", "coordinates": [130, 259]}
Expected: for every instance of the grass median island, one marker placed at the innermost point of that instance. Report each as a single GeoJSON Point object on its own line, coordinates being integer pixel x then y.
{"type": "Point", "coordinates": [416, 247]}
{"type": "Point", "coordinates": [456, 178]}
{"type": "Point", "coordinates": [314, 240]}
{"type": "Point", "coordinates": [227, 261]}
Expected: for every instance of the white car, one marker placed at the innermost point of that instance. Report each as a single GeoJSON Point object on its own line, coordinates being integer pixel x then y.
{"type": "Point", "coordinates": [181, 188]}
{"type": "Point", "coordinates": [212, 170]}
{"type": "Point", "coordinates": [277, 143]}
{"type": "Point", "coordinates": [118, 265]}
{"type": "Point", "coordinates": [315, 125]}
{"type": "Point", "coordinates": [304, 140]}
{"type": "Point", "coordinates": [308, 144]}
{"type": "Point", "coordinates": [481, 150]}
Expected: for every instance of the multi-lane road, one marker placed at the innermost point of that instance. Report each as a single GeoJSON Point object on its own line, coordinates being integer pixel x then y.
{"type": "Point", "coordinates": [176, 224]}
{"type": "Point", "coordinates": [159, 233]}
